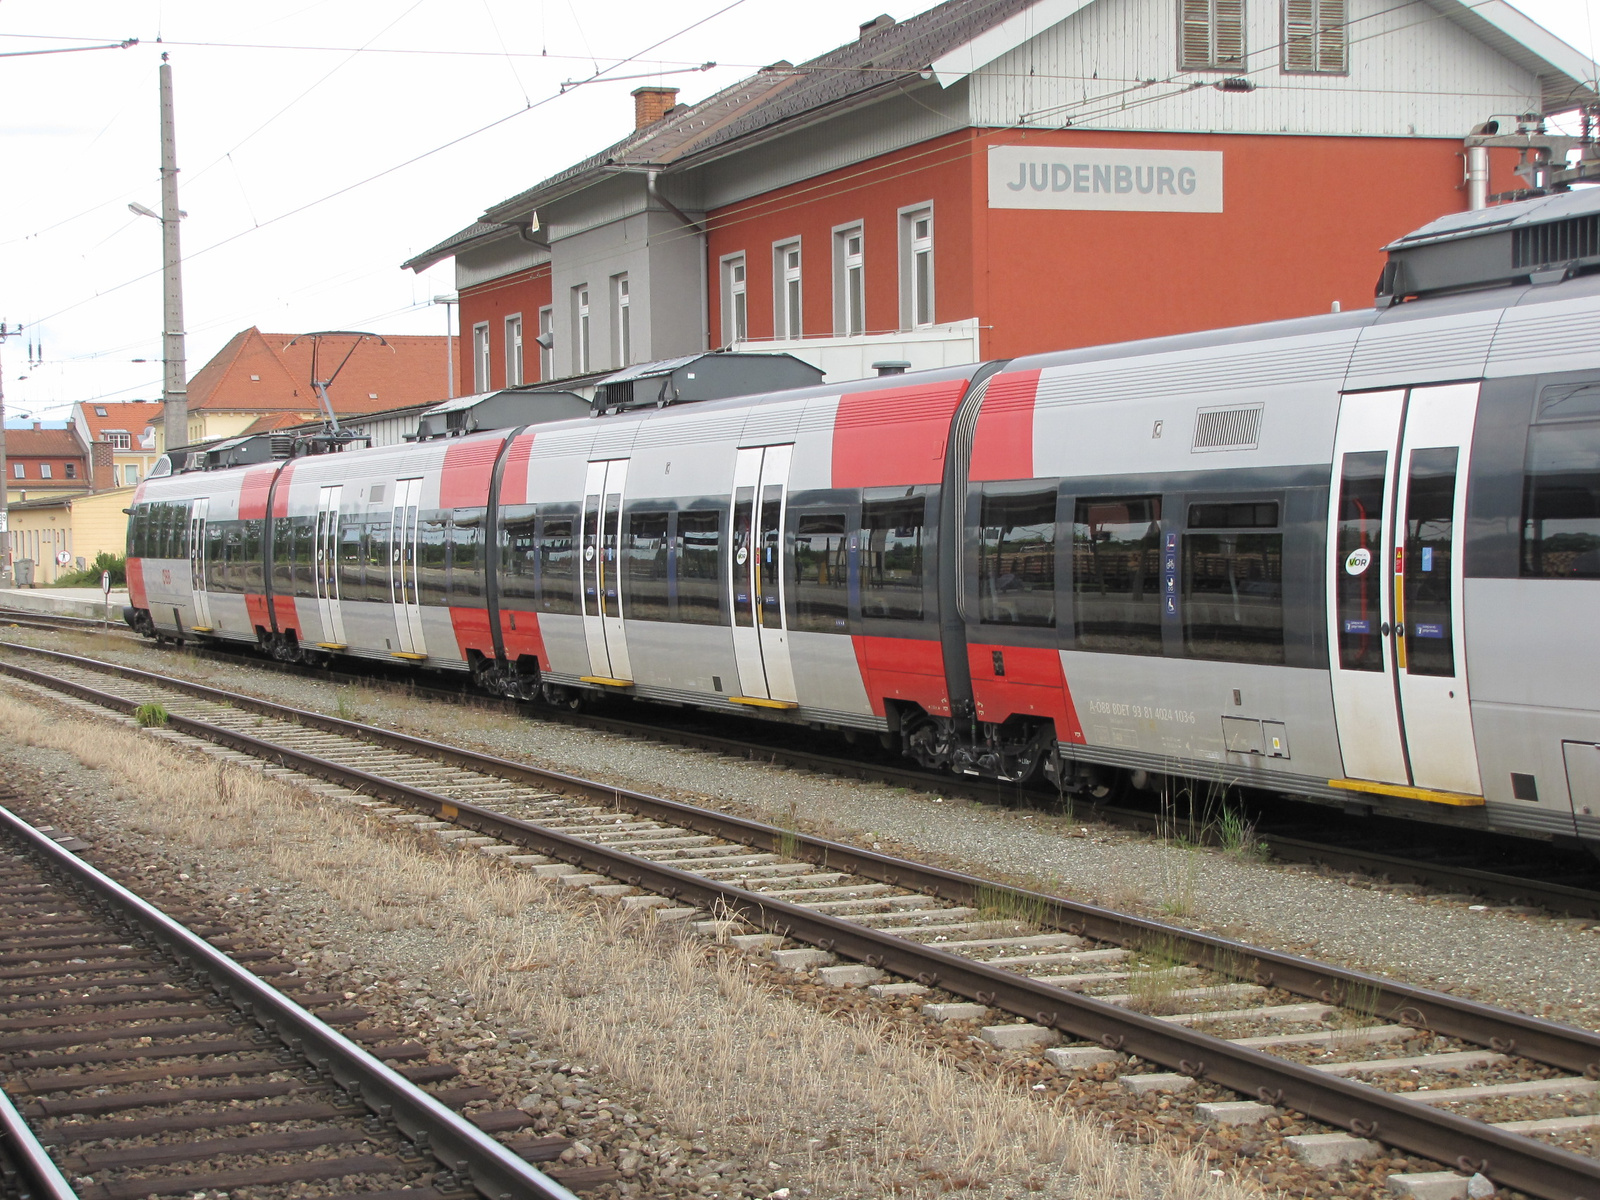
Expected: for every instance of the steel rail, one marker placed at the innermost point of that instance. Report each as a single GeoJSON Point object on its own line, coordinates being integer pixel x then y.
{"type": "Point", "coordinates": [1568, 1047]}
{"type": "Point", "coordinates": [460, 1146]}
{"type": "Point", "coordinates": [1578, 902]}
{"type": "Point", "coordinates": [1507, 1158]}
{"type": "Point", "coordinates": [40, 1177]}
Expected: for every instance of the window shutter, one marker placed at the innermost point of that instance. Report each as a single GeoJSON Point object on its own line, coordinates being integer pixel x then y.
{"type": "Point", "coordinates": [1330, 36]}
{"type": "Point", "coordinates": [1229, 33]}
{"type": "Point", "coordinates": [1300, 35]}
{"type": "Point", "coordinates": [1195, 31]}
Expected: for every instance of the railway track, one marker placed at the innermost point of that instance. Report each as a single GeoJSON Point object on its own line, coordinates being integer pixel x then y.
{"type": "Point", "coordinates": [140, 1059]}
{"type": "Point", "coordinates": [1562, 883]}
{"type": "Point", "coordinates": [1242, 1033]}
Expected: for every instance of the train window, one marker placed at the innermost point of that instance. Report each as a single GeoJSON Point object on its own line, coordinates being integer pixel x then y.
{"type": "Point", "coordinates": [1430, 523]}
{"type": "Point", "coordinates": [1233, 583]}
{"type": "Point", "coordinates": [216, 557]}
{"type": "Point", "coordinates": [770, 547]}
{"type": "Point", "coordinates": [1116, 560]}
{"type": "Point", "coordinates": [821, 574]}
{"type": "Point", "coordinates": [696, 543]}
{"type": "Point", "coordinates": [558, 566]}
{"type": "Point", "coordinates": [1359, 561]}
{"type": "Point", "coordinates": [282, 556]}
{"type": "Point", "coordinates": [250, 578]}
{"type": "Point", "coordinates": [467, 555]}
{"type": "Point", "coordinates": [137, 519]}
{"type": "Point", "coordinates": [645, 565]}
{"type": "Point", "coordinates": [304, 552]}
{"type": "Point", "coordinates": [891, 559]}
{"type": "Point", "coordinates": [433, 556]}
{"type": "Point", "coordinates": [1017, 559]}
{"type": "Point", "coordinates": [1569, 401]}
{"type": "Point", "coordinates": [519, 559]}
{"type": "Point", "coordinates": [157, 544]}
{"type": "Point", "coordinates": [1561, 502]}
{"type": "Point", "coordinates": [350, 561]}
{"type": "Point", "coordinates": [375, 544]}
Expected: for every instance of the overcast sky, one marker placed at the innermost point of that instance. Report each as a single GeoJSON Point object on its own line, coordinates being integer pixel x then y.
{"type": "Point", "coordinates": [314, 146]}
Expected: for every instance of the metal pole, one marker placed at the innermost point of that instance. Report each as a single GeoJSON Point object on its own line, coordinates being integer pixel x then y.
{"type": "Point", "coordinates": [174, 391]}
{"type": "Point", "coordinates": [449, 350]}
{"type": "Point", "coordinates": [5, 481]}
{"type": "Point", "coordinates": [1477, 177]}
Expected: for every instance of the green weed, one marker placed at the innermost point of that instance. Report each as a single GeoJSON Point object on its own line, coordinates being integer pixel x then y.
{"type": "Point", "coordinates": [150, 714]}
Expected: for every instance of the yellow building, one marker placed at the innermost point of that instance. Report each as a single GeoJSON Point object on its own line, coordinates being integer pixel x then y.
{"type": "Point", "coordinates": [131, 429]}
{"type": "Point", "coordinates": [78, 526]}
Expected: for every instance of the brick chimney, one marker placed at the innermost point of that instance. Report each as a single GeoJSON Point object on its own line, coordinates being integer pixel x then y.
{"type": "Point", "coordinates": [650, 104]}
{"type": "Point", "coordinates": [102, 469]}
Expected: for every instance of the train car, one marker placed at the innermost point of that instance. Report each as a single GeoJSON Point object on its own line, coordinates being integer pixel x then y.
{"type": "Point", "coordinates": [1352, 558]}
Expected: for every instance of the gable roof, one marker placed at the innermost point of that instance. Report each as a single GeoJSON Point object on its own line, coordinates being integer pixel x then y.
{"type": "Point", "coordinates": [43, 443]}
{"type": "Point", "coordinates": [264, 373]}
{"type": "Point", "coordinates": [129, 416]}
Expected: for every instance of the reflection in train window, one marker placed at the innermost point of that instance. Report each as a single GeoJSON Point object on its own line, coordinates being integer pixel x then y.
{"type": "Point", "coordinates": [1233, 583]}
{"type": "Point", "coordinates": [1358, 561]}
{"type": "Point", "coordinates": [432, 558]}
{"type": "Point", "coordinates": [519, 561]}
{"type": "Point", "coordinates": [891, 559]}
{"type": "Point", "coordinates": [1017, 559]}
{"type": "Point", "coordinates": [1429, 532]}
{"type": "Point", "coordinates": [558, 563]}
{"type": "Point", "coordinates": [1116, 577]}
{"type": "Point", "coordinates": [821, 574]}
{"type": "Point", "coordinates": [699, 582]}
{"type": "Point", "coordinates": [644, 557]}
{"type": "Point", "coordinates": [1561, 502]}
{"type": "Point", "coordinates": [466, 556]}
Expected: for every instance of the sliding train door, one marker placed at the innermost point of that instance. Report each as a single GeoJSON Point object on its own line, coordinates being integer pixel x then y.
{"type": "Point", "coordinates": [326, 563]}
{"type": "Point", "coordinates": [403, 570]}
{"type": "Point", "coordinates": [1396, 525]}
{"type": "Point", "coordinates": [602, 573]}
{"type": "Point", "coordinates": [757, 570]}
{"type": "Point", "coordinates": [199, 583]}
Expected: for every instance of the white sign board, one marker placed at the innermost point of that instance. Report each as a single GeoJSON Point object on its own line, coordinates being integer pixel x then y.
{"type": "Point", "coordinates": [1072, 177]}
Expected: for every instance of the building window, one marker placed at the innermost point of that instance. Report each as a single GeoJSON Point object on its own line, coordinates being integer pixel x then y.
{"type": "Point", "coordinates": [18, 471]}
{"type": "Point", "coordinates": [786, 290]}
{"type": "Point", "coordinates": [916, 267]}
{"type": "Point", "coordinates": [1211, 35]}
{"type": "Point", "coordinates": [480, 358]}
{"type": "Point", "coordinates": [99, 410]}
{"type": "Point", "coordinates": [547, 343]}
{"type": "Point", "coordinates": [849, 281]}
{"type": "Point", "coordinates": [514, 350]}
{"type": "Point", "coordinates": [735, 306]}
{"type": "Point", "coordinates": [119, 440]}
{"type": "Point", "coordinates": [580, 326]}
{"type": "Point", "coordinates": [622, 325]}
{"type": "Point", "coordinates": [130, 475]}
{"type": "Point", "coordinates": [1313, 37]}
{"type": "Point", "coordinates": [44, 470]}
{"type": "Point", "coordinates": [70, 469]}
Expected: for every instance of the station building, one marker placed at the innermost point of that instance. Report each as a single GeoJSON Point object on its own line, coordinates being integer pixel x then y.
{"type": "Point", "coordinates": [999, 177]}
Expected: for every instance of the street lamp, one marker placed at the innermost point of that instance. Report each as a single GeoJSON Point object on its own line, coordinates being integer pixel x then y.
{"type": "Point", "coordinates": [449, 299]}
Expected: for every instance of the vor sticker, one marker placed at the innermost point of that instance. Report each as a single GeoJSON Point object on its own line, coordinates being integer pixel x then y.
{"type": "Point", "coordinates": [1359, 560]}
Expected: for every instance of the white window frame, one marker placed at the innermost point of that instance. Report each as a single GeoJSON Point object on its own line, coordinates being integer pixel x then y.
{"type": "Point", "coordinates": [19, 471]}
{"type": "Point", "coordinates": [580, 328]}
{"type": "Point", "coordinates": [119, 439]}
{"type": "Point", "coordinates": [621, 320]}
{"type": "Point", "coordinates": [1315, 37]}
{"type": "Point", "coordinates": [547, 334]}
{"type": "Point", "coordinates": [788, 291]}
{"type": "Point", "coordinates": [480, 357]}
{"type": "Point", "coordinates": [735, 298]}
{"type": "Point", "coordinates": [918, 289]}
{"type": "Point", "coordinates": [45, 471]}
{"type": "Point", "coordinates": [514, 360]}
{"type": "Point", "coordinates": [850, 279]}
{"type": "Point", "coordinates": [1205, 20]}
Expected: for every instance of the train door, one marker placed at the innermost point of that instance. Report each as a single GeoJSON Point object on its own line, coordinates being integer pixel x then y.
{"type": "Point", "coordinates": [1396, 525]}
{"type": "Point", "coordinates": [200, 596]}
{"type": "Point", "coordinates": [757, 570]}
{"type": "Point", "coordinates": [410, 641]}
{"type": "Point", "coordinates": [602, 570]}
{"type": "Point", "coordinates": [326, 558]}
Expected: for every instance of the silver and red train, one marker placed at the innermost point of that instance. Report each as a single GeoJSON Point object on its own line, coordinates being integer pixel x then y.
{"type": "Point", "coordinates": [1354, 558]}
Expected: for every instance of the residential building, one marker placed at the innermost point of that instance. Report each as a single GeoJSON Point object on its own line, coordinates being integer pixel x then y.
{"type": "Point", "coordinates": [79, 527]}
{"type": "Point", "coordinates": [998, 177]}
{"type": "Point", "coordinates": [129, 429]}
{"type": "Point", "coordinates": [263, 381]}
{"type": "Point", "coordinates": [45, 463]}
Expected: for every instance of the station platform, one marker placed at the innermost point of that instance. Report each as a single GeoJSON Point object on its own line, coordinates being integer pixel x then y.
{"type": "Point", "coordinates": [65, 602]}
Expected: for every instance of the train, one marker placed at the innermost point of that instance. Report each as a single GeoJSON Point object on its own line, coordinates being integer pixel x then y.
{"type": "Point", "coordinates": [1352, 558]}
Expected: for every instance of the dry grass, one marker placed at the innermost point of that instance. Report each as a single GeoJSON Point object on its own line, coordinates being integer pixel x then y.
{"type": "Point", "coordinates": [848, 1105]}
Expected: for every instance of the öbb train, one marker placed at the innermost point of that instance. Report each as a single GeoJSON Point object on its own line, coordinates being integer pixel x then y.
{"type": "Point", "coordinates": [1354, 558]}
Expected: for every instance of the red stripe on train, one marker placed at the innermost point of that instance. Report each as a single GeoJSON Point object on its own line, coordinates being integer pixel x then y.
{"type": "Point", "coordinates": [903, 669]}
{"type": "Point", "coordinates": [894, 437]}
{"type": "Point", "coordinates": [1032, 684]}
{"type": "Point", "coordinates": [136, 593]}
{"type": "Point", "coordinates": [1002, 445]}
{"type": "Point", "coordinates": [514, 482]}
{"type": "Point", "coordinates": [468, 466]}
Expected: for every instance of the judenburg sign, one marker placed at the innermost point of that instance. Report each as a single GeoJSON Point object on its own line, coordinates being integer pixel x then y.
{"type": "Point", "coordinates": [1069, 177]}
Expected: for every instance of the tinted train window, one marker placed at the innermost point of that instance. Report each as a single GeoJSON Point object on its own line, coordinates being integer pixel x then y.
{"type": "Point", "coordinates": [1233, 583]}
{"type": "Point", "coordinates": [251, 549]}
{"type": "Point", "coordinates": [645, 565]}
{"type": "Point", "coordinates": [1017, 559]}
{"type": "Point", "coordinates": [1430, 520]}
{"type": "Point", "coordinates": [891, 559]}
{"type": "Point", "coordinates": [1358, 563]}
{"type": "Point", "coordinates": [1561, 501]}
{"type": "Point", "coordinates": [282, 555]}
{"type": "Point", "coordinates": [351, 560]}
{"type": "Point", "coordinates": [305, 547]}
{"type": "Point", "coordinates": [467, 555]}
{"type": "Point", "coordinates": [433, 558]}
{"type": "Point", "coordinates": [558, 566]}
{"type": "Point", "coordinates": [699, 581]}
{"type": "Point", "coordinates": [375, 542]}
{"type": "Point", "coordinates": [216, 557]}
{"type": "Point", "coordinates": [1116, 574]}
{"type": "Point", "coordinates": [821, 574]}
{"type": "Point", "coordinates": [519, 558]}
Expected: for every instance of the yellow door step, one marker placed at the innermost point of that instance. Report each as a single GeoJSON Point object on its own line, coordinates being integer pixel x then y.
{"type": "Point", "coordinates": [1458, 799]}
{"type": "Point", "coordinates": [604, 681]}
{"type": "Point", "coordinates": [331, 645]}
{"type": "Point", "coordinates": [760, 702]}
{"type": "Point", "coordinates": [408, 655]}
